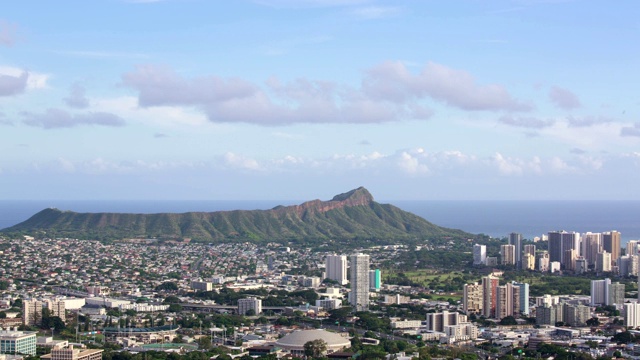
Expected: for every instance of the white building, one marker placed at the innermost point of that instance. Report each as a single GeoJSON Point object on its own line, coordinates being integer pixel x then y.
{"type": "Point", "coordinates": [600, 291]}
{"type": "Point", "coordinates": [336, 268]}
{"type": "Point", "coordinates": [329, 304]}
{"type": "Point", "coordinates": [201, 285]}
{"type": "Point", "coordinates": [631, 315]}
{"type": "Point", "coordinates": [479, 254]}
{"type": "Point", "coordinates": [359, 296]}
{"type": "Point", "coordinates": [250, 303]}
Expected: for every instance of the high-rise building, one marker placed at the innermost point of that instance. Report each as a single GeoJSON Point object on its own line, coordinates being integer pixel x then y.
{"type": "Point", "coordinates": [472, 299]}
{"type": "Point", "coordinates": [508, 254]}
{"type": "Point", "coordinates": [611, 244]}
{"type": "Point", "coordinates": [31, 312]}
{"type": "Point", "coordinates": [515, 239]}
{"type": "Point", "coordinates": [603, 262]}
{"type": "Point", "coordinates": [529, 249]}
{"type": "Point", "coordinates": [581, 266]}
{"type": "Point", "coordinates": [628, 265]}
{"type": "Point", "coordinates": [569, 259]}
{"type": "Point", "coordinates": [508, 301]}
{"type": "Point", "coordinates": [528, 262]}
{"type": "Point", "coordinates": [632, 247]}
{"type": "Point", "coordinates": [631, 315]}
{"type": "Point", "coordinates": [489, 295]}
{"type": "Point", "coordinates": [359, 296]}
{"type": "Point", "coordinates": [600, 291]}
{"type": "Point", "coordinates": [524, 297]}
{"type": "Point", "coordinates": [559, 241]}
{"type": "Point", "coordinates": [250, 303]}
{"type": "Point", "coordinates": [543, 261]}
{"type": "Point", "coordinates": [616, 294]}
{"type": "Point", "coordinates": [479, 254]}
{"type": "Point", "coordinates": [336, 268]}
{"type": "Point", "coordinates": [591, 247]}
{"type": "Point", "coordinates": [549, 315]}
{"type": "Point", "coordinates": [375, 280]}
{"type": "Point", "coordinates": [576, 315]}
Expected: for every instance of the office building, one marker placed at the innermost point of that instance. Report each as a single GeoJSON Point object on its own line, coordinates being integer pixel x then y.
{"type": "Point", "coordinates": [479, 254]}
{"type": "Point", "coordinates": [18, 342]}
{"type": "Point", "coordinates": [611, 244]}
{"type": "Point", "coordinates": [336, 268]}
{"type": "Point", "coordinates": [508, 254]}
{"type": "Point", "coordinates": [515, 239]}
{"type": "Point", "coordinates": [359, 295]}
{"type": "Point", "coordinates": [375, 280]}
{"type": "Point", "coordinates": [529, 249]}
{"type": "Point", "coordinates": [600, 291]}
{"type": "Point", "coordinates": [472, 299]}
{"type": "Point", "coordinates": [250, 303]}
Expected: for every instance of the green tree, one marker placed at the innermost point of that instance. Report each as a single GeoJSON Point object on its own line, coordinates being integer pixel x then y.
{"type": "Point", "coordinates": [315, 348]}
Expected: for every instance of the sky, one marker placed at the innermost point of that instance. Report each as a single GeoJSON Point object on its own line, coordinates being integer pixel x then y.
{"type": "Point", "coordinates": [305, 99]}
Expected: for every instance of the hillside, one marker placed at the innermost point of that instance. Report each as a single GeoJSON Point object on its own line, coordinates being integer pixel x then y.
{"type": "Point", "coordinates": [352, 215]}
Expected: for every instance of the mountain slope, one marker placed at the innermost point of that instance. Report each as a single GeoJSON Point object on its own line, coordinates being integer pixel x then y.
{"type": "Point", "coordinates": [347, 216]}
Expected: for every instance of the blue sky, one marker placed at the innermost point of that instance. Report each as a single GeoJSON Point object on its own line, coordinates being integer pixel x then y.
{"type": "Point", "coordinates": [302, 99]}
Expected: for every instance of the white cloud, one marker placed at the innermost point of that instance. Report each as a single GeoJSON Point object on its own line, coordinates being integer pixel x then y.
{"type": "Point", "coordinates": [564, 98]}
{"type": "Point", "coordinates": [392, 81]}
{"type": "Point", "coordinates": [34, 80]}
{"type": "Point", "coordinates": [57, 118]}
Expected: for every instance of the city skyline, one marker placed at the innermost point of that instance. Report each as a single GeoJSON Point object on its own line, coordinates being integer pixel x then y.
{"type": "Point", "coordinates": [283, 99]}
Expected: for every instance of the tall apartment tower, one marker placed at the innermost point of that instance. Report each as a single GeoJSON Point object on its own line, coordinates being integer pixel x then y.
{"type": "Point", "coordinates": [31, 312]}
{"type": "Point", "coordinates": [611, 244]}
{"type": "Point", "coordinates": [632, 247]}
{"type": "Point", "coordinates": [560, 241]}
{"type": "Point", "coordinates": [603, 262]}
{"type": "Point", "coordinates": [616, 294]}
{"type": "Point", "coordinates": [472, 299]}
{"type": "Point", "coordinates": [591, 247]}
{"type": "Point", "coordinates": [600, 291]}
{"type": "Point", "coordinates": [489, 295]}
{"type": "Point", "coordinates": [508, 254]}
{"type": "Point", "coordinates": [336, 268]}
{"type": "Point", "coordinates": [479, 254]}
{"type": "Point", "coordinates": [515, 239]}
{"type": "Point", "coordinates": [529, 249]}
{"type": "Point", "coordinates": [359, 296]}
{"type": "Point", "coordinates": [508, 301]}
{"type": "Point", "coordinates": [543, 261]}
{"type": "Point", "coordinates": [375, 280]}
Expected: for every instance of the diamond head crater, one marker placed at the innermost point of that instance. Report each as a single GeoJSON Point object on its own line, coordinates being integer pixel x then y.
{"type": "Point", "coordinates": [353, 215]}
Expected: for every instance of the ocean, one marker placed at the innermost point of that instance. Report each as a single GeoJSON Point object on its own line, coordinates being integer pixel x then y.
{"type": "Point", "coordinates": [493, 218]}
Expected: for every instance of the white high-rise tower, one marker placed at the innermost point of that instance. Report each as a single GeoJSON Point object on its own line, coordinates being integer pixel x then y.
{"type": "Point", "coordinates": [336, 266]}
{"type": "Point", "coordinates": [359, 296]}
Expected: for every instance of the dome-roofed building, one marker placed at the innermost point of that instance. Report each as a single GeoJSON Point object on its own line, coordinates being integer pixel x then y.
{"type": "Point", "coordinates": [294, 342]}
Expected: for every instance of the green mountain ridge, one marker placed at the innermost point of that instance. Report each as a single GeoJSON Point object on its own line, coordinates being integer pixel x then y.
{"type": "Point", "coordinates": [352, 215]}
